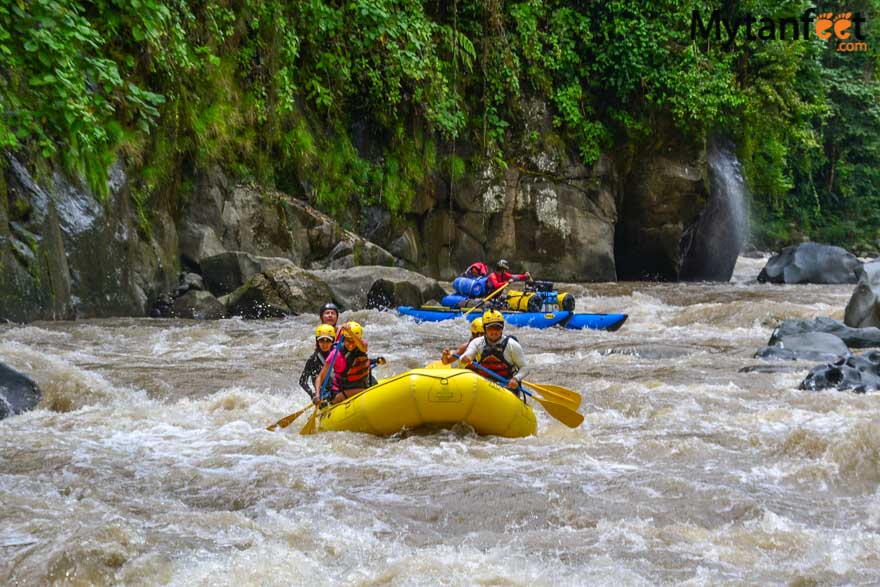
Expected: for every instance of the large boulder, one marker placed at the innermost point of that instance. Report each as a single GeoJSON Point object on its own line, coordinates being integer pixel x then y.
{"type": "Point", "coordinates": [811, 263]}
{"type": "Point", "coordinates": [387, 293]}
{"type": "Point", "coordinates": [18, 392]}
{"type": "Point", "coordinates": [852, 337]}
{"type": "Point", "coordinates": [301, 291]}
{"type": "Point", "coordinates": [228, 271]}
{"type": "Point", "coordinates": [863, 309]}
{"type": "Point", "coordinates": [256, 299]}
{"type": "Point", "coordinates": [278, 292]}
{"type": "Point", "coordinates": [198, 305]}
{"type": "Point", "coordinates": [814, 346]}
{"type": "Point", "coordinates": [351, 288]}
{"type": "Point", "coordinates": [267, 223]}
{"type": "Point", "coordinates": [197, 242]}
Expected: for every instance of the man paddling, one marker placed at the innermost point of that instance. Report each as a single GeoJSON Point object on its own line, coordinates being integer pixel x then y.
{"type": "Point", "coordinates": [500, 354]}
{"type": "Point", "coordinates": [502, 275]}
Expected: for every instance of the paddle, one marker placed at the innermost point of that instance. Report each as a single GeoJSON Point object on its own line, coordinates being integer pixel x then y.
{"type": "Point", "coordinates": [487, 298]}
{"type": "Point", "coordinates": [288, 420]}
{"type": "Point", "coordinates": [558, 394]}
{"type": "Point", "coordinates": [562, 413]}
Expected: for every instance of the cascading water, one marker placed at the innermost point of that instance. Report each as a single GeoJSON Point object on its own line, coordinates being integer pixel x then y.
{"type": "Point", "coordinates": [709, 247]}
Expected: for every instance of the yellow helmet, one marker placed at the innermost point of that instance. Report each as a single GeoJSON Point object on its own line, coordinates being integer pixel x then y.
{"type": "Point", "coordinates": [491, 317]}
{"type": "Point", "coordinates": [477, 327]}
{"type": "Point", "coordinates": [325, 331]}
{"type": "Point", "coordinates": [356, 329]}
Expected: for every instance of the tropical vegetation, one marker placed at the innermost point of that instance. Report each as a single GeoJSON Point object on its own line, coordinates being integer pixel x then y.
{"type": "Point", "coordinates": [366, 100]}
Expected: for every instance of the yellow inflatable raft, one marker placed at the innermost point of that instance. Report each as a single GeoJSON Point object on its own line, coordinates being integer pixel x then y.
{"type": "Point", "coordinates": [424, 397]}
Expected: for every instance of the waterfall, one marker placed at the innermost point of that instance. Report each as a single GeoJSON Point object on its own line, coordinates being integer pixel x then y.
{"type": "Point", "coordinates": [709, 247]}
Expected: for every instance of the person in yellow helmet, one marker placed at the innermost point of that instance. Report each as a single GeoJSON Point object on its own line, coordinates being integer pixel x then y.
{"type": "Point", "coordinates": [476, 331]}
{"type": "Point", "coordinates": [496, 352]}
{"type": "Point", "coordinates": [325, 335]}
{"type": "Point", "coordinates": [354, 376]}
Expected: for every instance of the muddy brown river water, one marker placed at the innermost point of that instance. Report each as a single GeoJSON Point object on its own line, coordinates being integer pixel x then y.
{"type": "Point", "coordinates": [148, 462]}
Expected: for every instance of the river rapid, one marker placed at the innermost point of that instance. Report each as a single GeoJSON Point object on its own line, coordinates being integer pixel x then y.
{"type": "Point", "coordinates": [148, 462]}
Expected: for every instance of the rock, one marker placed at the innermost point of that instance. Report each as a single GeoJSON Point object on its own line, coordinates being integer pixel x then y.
{"type": "Point", "coordinates": [351, 287]}
{"type": "Point", "coordinates": [406, 246]}
{"type": "Point", "coordinates": [353, 252]}
{"type": "Point", "coordinates": [198, 305]}
{"type": "Point", "coordinates": [278, 292]}
{"type": "Point", "coordinates": [18, 392]}
{"type": "Point", "coordinates": [385, 294]}
{"type": "Point", "coordinates": [855, 373]}
{"type": "Point", "coordinates": [815, 346]}
{"type": "Point", "coordinates": [198, 241]}
{"type": "Point", "coordinates": [190, 281]}
{"type": "Point", "coordinates": [863, 308]}
{"type": "Point", "coordinates": [301, 291]}
{"type": "Point", "coordinates": [76, 228]}
{"type": "Point", "coordinates": [664, 192]}
{"type": "Point", "coordinates": [228, 271]}
{"type": "Point", "coordinates": [556, 220]}
{"type": "Point", "coordinates": [811, 263]}
{"type": "Point", "coordinates": [852, 337]}
{"type": "Point", "coordinates": [163, 307]}
{"type": "Point", "coordinates": [256, 299]}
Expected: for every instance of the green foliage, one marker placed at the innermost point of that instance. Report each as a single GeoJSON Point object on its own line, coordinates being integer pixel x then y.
{"type": "Point", "coordinates": [62, 95]}
{"type": "Point", "coordinates": [357, 102]}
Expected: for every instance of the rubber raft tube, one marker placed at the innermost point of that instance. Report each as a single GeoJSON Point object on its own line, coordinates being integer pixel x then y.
{"type": "Point", "coordinates": [610, 322]}
{"type": "Point", "coordinates": [432, 397]}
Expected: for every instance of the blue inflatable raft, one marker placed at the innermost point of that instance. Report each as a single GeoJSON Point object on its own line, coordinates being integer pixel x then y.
{"type": "Point", "coordinates": [610, 322]}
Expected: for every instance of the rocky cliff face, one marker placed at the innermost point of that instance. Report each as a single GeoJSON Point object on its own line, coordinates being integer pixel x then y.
{"type": "Point", "coordinates": [654, 214]}
{"type": "Point", "coordinates": [66, 254]}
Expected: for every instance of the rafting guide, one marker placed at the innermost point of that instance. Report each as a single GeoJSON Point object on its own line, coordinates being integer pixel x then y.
{"type": "Point", "coordinates": [500, 354]}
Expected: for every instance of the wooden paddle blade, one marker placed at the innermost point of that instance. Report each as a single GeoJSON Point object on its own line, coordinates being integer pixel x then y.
{"type": "Point", "coordinates": [568, 417]}
{"type": "Point", "coordinates": [559, 394]}
{"type": "Point", "coordinates": [310, 427]}
{"type": "Point", "coordinates": [287, 420]}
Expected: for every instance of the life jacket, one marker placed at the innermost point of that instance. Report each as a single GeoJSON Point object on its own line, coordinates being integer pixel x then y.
{"type": "Point", "coordinates": [477, 269]}
{"type": "Point", "coordinates": [357, 370]}
{"type": "Point", "coordinates": [491, 356]}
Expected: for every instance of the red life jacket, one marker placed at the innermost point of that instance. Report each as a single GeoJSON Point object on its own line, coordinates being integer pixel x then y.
{"type": "Point", "coordinates": [477, 269]}
{"type": "Point", "coordinates": [357, 370]}
{"type": "Point", "coordinates": [491, 356]}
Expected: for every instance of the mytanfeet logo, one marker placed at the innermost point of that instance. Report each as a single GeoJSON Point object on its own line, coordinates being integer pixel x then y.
{"type": "Point", "coordinates": [844, 29]}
